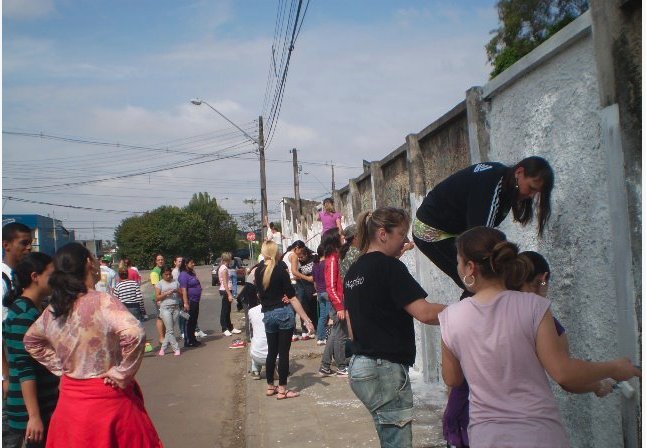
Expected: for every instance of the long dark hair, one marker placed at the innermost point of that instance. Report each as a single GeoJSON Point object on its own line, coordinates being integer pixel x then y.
{"type": "Point", "coordinates": [183, 265]}
{"type": "Point", "coordinates": [541, 266]}
{"type": "Point", "coordinates": [495, 257]}
{"type": "Point", "coordinates": [346, 246]}
{"type": "Point", "coordinates": [32, 262]}
{"type": "Point", "coordinates": [68, 279]}
{"type": "Point", "coordinates": [523, 211]}
{"type": "Point", "coordinates": [331, 241]}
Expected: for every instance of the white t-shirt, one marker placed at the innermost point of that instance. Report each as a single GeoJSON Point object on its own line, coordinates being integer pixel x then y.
{"type": "Point", "coordinates": [8, 272]}
{"type": "Point", "coordinates": [259, 339]}
{"type": "Point", "coordinates": [276, 237]}
{"type": "Point", "coordinates": [288, 261]}
{"type": "Point", "coordinates": [108, 280]}
{"type": "Point", "coordinates": [175, 273]}
{"type": "Point", "coordinates": [221, 270]}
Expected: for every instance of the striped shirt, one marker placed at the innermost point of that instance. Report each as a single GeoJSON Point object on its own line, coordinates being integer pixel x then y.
{"type": "Point", "coordinates": [129, 293]}
{"type": "Point", "coordinates": [22, 367]}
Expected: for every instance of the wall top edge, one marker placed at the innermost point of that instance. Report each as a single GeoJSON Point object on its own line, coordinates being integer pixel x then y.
{"type": "Point", "coordinates": [577, 29]}
{"type": "Point", "coordinates": [458, 110]}
{"type": "Point", "coordinates": [393, 155]}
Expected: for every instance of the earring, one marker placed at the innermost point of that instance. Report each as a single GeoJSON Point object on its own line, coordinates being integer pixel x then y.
{"type": "Point", "coordinates": [516, 183]}
{"type": "Point", "coordinates": [469, 285]}
{"type": "Point", "coordinates": [543, 283]}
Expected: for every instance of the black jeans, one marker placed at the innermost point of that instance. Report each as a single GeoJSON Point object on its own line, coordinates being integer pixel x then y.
{"type": "Point", "coordinates": [189, 334]}
{"type": "Point", "coordinates": [444, 255]}
{"type": "Point", "coordinates": [278, 344]}
{"type": "Point", "coordinates": [225, 312]}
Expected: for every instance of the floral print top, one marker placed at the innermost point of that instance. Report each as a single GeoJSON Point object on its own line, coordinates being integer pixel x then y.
{"type": "Point", "coordinates": [99, 336]}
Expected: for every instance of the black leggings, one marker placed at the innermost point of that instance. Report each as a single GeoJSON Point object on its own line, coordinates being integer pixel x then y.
{"type": "Point", "coordinates": [194, 310]}
{"type": "Point", "coordinates": [225, 312]}
{"type": "Point", "coordinates": [278, 344]}
{"type": "Point", "coordinates": [444, 255]}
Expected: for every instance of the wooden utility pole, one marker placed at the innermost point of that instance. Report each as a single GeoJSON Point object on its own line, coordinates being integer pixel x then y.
{"type": "Point", "coordinates": [264, 216]}
{"type": "Point", "coordinates": [297, 194]}
{"type": "Point", "coordinates": [333, 186]}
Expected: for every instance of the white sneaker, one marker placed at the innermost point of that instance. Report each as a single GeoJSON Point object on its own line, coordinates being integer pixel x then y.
{"type": "Point", "coordinates": [235, 331]}
{"type": "Point", "coordinates": [200, 334]}
{"type": "Point", "coordinates": [227, 333]}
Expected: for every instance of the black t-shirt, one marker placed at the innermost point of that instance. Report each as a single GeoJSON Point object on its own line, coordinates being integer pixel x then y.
{"type": "Point", "coordinates": [279, 286]}
{"type": "Point", "coordinates": [377, 287]}
{"type": "Point", "coordinates": [474, 196]}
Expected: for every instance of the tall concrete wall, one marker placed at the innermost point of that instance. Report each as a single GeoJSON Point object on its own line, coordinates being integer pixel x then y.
{"type": "Point", "coordinates": [547, 104]}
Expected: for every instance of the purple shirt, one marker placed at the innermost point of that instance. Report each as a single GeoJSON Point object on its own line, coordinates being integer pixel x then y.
{"type": "Point", "coordinates": [329, 220]}
{"type": "Point", "coordinates": [318, 272]}
{"type": "Point", "coordinates": [193, 287]}
{"type": "Point", "coordinates": [510, 401]}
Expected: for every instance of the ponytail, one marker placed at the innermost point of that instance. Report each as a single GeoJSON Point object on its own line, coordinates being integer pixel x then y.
{"type": "Point", "coordinates": [495, 257]}
{"type": "Point", "coordinates": [269, 251]}
{"type": "Point", "coordinates": [369, 222]}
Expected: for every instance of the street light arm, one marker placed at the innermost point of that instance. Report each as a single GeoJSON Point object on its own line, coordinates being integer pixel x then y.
{"type": "Point", "coordinates": [198, 102]}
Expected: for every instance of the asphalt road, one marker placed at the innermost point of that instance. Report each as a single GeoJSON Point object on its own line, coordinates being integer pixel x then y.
{"type": "Point", "coordinates": [196, 399]}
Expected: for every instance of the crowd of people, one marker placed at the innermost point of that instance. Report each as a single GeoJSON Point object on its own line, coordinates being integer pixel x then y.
{"type": "Point", "coordinates": [499, 342]}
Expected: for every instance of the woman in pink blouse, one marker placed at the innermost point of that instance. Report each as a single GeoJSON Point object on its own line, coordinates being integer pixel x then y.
{"type": "Point", "coordinates": [96, 345]}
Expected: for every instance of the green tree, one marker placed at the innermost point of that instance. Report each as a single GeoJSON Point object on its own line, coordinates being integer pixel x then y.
{"type": "Point", "coordinates": [525, 24]}
{"type": "Point", "coordinates": [167, 230]}
{"type": "Point", "coordinates": [221, 229]}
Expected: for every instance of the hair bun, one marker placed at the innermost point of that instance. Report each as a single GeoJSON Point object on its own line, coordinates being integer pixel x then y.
{"type": "Point", "coordinates": [505, 260]}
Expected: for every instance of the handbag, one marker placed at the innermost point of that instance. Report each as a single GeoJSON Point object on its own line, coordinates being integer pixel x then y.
{"type": "Point", "coordinates": [184, 314]}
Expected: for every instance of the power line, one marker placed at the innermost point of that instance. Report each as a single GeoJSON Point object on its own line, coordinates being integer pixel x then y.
{"type": "Point", "coordinates": [12, 198]}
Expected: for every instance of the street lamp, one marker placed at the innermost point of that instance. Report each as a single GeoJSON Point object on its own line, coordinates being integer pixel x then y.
{"type": "Point", "coordinates": [261, 153]}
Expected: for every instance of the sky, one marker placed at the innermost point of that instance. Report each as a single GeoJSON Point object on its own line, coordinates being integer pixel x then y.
{"type": "Point", "coordinates": [96, 90]}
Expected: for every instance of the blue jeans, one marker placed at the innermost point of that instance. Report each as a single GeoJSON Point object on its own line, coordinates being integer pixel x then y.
{"type": "Point", "coordinates": [279, 319]}
{"type": "Point", "coordinates": [384, 388]}
{"type": "Point", "coordinates": [324, 315]}
{"type": "Point", "coordinates": [170, 316]}
{"type": "Point", "coordinates": [233, 274]}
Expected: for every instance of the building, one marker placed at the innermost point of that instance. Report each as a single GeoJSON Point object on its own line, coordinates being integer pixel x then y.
{"type": "Point", "coordinates": [49, 233]}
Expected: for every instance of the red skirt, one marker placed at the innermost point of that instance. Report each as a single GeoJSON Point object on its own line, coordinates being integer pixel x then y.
{"type": "Point", "coordinates": [90, 413]}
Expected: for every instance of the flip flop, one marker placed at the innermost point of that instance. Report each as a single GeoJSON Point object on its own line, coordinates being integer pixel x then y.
{"type": "Point", "coordinates": [287, 394]}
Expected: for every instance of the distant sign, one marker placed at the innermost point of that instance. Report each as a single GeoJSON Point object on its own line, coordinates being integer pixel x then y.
{"type": "Point", "coordinates": [251, 236]}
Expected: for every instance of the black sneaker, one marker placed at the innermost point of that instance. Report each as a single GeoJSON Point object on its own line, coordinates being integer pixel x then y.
{"type": "Point", "coordinates": [325, 371]}
{"type": "Point", "coordinates": [342, 372]}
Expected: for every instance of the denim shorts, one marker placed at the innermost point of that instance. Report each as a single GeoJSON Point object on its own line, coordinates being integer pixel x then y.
{"type": "Point", "coordinates": [385, 390]}
{"type": "Point", "coordinates": [279, 319]}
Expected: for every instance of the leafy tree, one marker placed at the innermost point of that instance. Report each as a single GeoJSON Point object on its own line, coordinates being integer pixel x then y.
{"type": "Point", "coordinates": [525, 24]}
{"type": "Point", "coordinates": [167, 230]}
{"type": "Point", "coordinates": [221, 229]}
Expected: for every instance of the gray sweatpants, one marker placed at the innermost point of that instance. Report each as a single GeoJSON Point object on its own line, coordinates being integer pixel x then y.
{"type": "Point", "coordinates": [335, 346]}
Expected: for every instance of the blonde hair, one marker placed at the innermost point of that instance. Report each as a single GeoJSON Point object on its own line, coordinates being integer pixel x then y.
{"type": "Point", "coordinates": [226, 257]}
{"type": "Point", "coordinates": [269, 251]}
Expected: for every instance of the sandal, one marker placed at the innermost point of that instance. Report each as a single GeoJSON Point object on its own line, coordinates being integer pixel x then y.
{"type": "Point", "coordinates": [286, 394]}
{"type": "Point", "coordinates": [271, 390]}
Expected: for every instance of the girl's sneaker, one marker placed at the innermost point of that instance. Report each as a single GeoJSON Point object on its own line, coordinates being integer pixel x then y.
{"type": "Point", "coordinates": [325, 371]}
{"type": "Point", "coordinates": [295, 338]}
{"type": "Point", "coordinates": [320, 342]}
{"type": "Point", "coordinates": [161, 352]}
{"type": "Point", "coordinates": [177, 352]}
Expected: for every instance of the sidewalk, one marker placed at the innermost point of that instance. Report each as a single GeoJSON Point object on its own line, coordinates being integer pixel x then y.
{"type": "Point", "coordinates": [327, 414]}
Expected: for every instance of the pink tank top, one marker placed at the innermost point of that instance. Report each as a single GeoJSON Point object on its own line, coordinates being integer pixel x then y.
{"type": "Point", "coordinates": [510, 403]}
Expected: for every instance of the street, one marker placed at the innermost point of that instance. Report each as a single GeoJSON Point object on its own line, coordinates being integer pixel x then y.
{"type": "Point", "coordinates": [196, 399]}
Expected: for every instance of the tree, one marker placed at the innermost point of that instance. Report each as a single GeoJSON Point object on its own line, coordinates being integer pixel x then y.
{"type": "Point", "coordinates": [525, 24]}
{"type": "Point", "coordinates": [170, 231]}
{"type": "Point", "coordinates": [221, 229]}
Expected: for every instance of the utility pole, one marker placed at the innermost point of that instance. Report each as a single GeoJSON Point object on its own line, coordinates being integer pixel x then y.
{"type": "Point", "coordinates": [333, 186]}
{"type": "Point", "coordinates": [264, 217]}
{"type": "Point", "coordinates": [297, 194]}
{"type": "Point", "coordinates": [54, 228]}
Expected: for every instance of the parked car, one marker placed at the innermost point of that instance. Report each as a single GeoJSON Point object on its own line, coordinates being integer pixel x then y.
{"type": "Point", "coordinates": [242, 253]}
{"type": "Point", "coordinates": [240, 269]}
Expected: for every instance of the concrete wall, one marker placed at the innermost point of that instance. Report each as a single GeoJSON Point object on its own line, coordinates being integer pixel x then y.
{"type": "Point", "coordinates": [550, 103]}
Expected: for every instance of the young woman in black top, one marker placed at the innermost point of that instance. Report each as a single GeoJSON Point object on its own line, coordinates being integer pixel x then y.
{"type": "Point", "coordinates": [278, 301]}
{"type": "Point", "coordinates": [481, 195]}
{"type": "Point", "coordinates": [381, 300]}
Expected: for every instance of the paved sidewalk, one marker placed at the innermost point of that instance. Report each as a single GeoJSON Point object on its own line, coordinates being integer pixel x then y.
{"type": "Point", "coordinates": [327, 414]}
